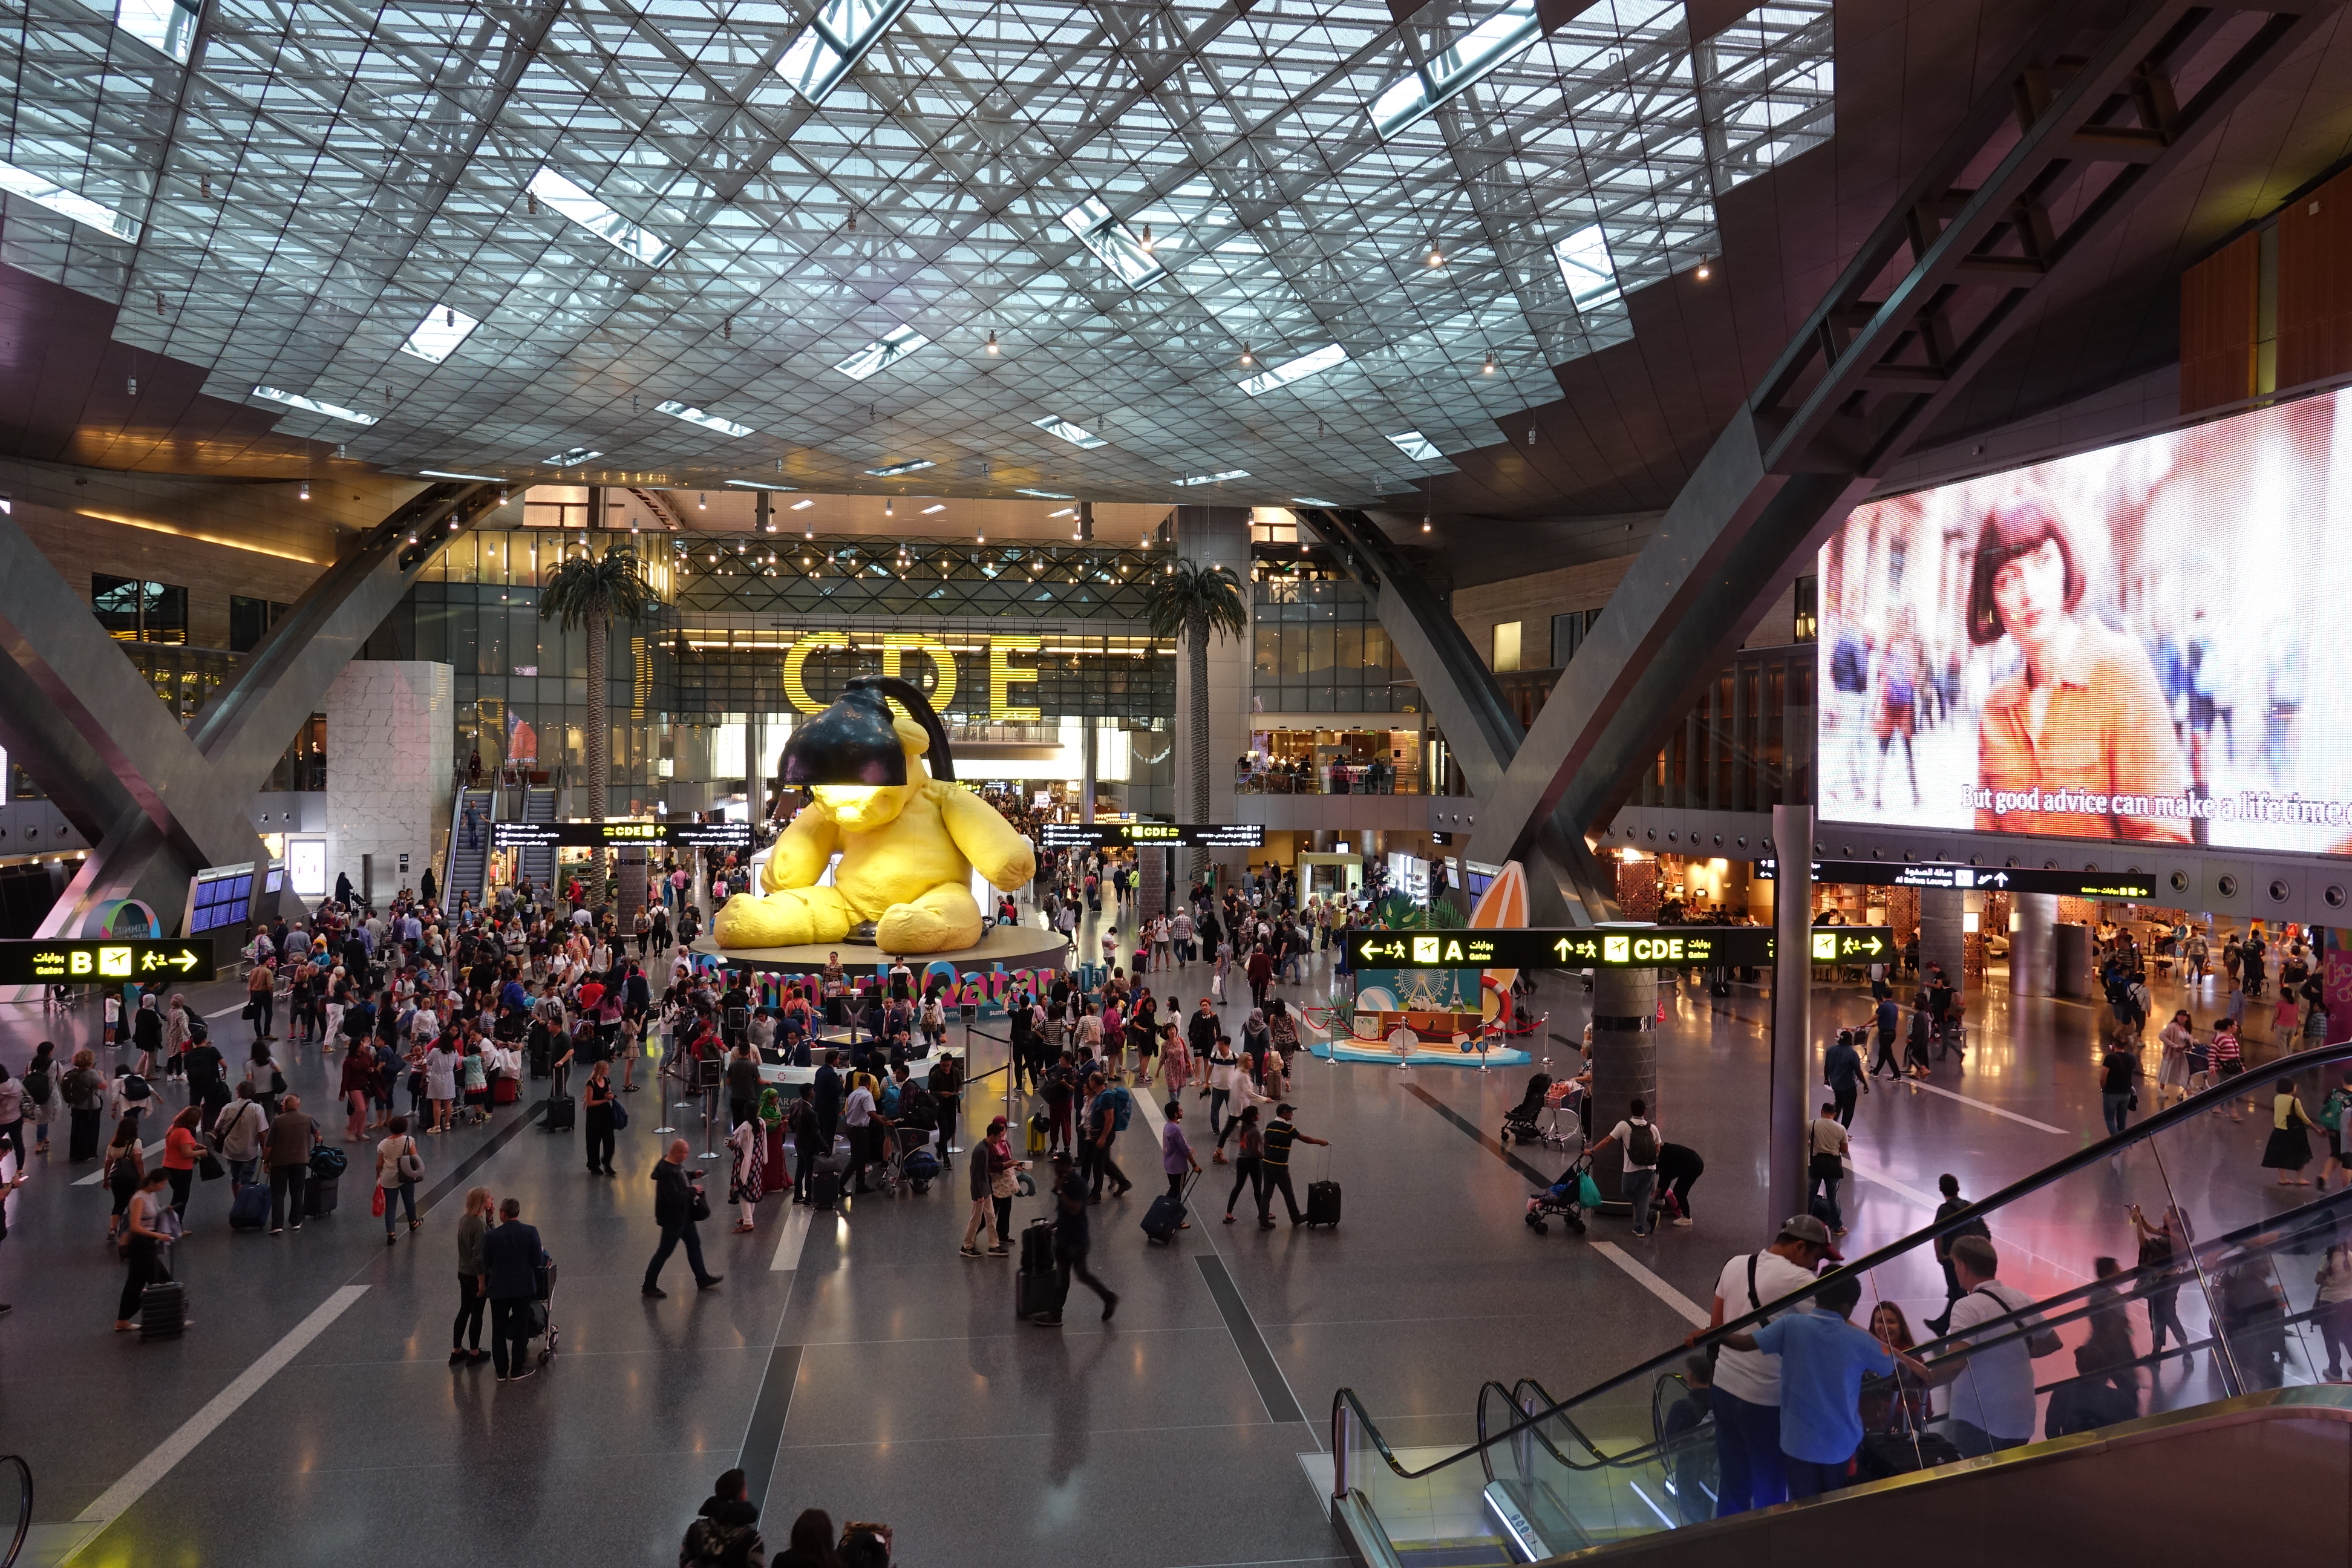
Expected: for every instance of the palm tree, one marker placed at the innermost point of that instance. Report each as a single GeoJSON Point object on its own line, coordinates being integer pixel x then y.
{"type": "Point", "coordinates": [587, 592]}
{"type": "Point", "coordinates": [1195, 603]}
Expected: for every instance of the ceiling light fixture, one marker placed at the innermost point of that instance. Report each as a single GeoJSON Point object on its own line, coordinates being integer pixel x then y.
{"type": "Point", "coordinates": [803, 505]}
{"type": "Point", "coordinates": [992, 341]}
{"type": "Point", "coordinates": [1489, 368]}
{"type": "Point", "coordinates": [306, 489]}
{"type": "Point", "coordinates": [1705, 270]}
{"type": "Point", "coordinates": [886, 511]}
{"type": "Point", "coordinates": [1436, 255]}
{"type": "Point", "coordinates": [1247, 357]}
{"type": "Point", "coordinates": [927, 511]}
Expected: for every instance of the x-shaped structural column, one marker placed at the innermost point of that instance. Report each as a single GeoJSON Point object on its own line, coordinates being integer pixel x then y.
{"type": "Point", "coordinates": [159, 802]}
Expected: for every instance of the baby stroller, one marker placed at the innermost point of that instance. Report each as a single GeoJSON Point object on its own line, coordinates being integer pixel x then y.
{"type": "Point", "coordinates": [1561, 1199]}
{"type": "Point", "coordinates": [1521, 1122]}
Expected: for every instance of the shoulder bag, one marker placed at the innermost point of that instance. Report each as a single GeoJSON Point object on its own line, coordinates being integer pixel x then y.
{"type": "Point", "coordinates": [410, 1165]}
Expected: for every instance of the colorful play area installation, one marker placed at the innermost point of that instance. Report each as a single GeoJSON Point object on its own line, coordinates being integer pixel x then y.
{"type": "Point", "coordinates": [1437, 1018]}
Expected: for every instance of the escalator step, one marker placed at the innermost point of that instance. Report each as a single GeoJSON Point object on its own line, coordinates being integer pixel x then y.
{"type": "Point", "coordinates": [1486, 1552]}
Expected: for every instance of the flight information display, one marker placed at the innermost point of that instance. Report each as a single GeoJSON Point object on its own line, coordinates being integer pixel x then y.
{"type": "Point", "coordinates": [97, 963]}
{"type": "Point", "coordinates": [590, 834]}
{"type": "Point", "coordinates": [1201, 835]}
{"type": "Point", "coordinates": [2131, 885]}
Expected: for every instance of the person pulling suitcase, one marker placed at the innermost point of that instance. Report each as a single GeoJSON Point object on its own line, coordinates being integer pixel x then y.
{"type": "Point", "coordinates": [1280, 1134]}
{"type": "Point", "coordinates": [1070, 1244]}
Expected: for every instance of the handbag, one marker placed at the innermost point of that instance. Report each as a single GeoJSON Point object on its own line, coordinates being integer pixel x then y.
{"type": "Point", "coordinates": [699, 1209]}
{"type": "Point", "coordinates": [375, 1206]}
{"type": "Point", "coordinates": [620, 1115]}
{"type": "Point", "coordinates": [209, 1167]}
{"type": "Point", "coordinates": [410, 1165]}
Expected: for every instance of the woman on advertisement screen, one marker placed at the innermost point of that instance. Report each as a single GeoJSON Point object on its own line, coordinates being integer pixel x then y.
{"type": "Point", "coordinates": [2078, 742]}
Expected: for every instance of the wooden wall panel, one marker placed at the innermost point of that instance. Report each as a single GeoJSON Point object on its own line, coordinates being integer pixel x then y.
{"type": "Point", "coordinates": [2314, 286]}
{"type": "Point", "coordinates": [2218, 301]}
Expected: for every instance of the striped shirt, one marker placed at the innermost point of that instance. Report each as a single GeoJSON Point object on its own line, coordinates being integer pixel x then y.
{"type": "Point", "coordinates": [1279, 1136]}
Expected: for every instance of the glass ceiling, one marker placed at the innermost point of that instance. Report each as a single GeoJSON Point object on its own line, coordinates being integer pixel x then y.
{"type": "Point", "coordinates": [636, 209]}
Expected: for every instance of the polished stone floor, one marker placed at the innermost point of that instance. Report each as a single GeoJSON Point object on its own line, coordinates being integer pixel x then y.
{"type": "Point", "coordinates": [860, 1365]}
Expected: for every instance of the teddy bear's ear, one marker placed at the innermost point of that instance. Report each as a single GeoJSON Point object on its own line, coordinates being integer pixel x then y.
{"type": "Point", "coordinates": [910, 734]}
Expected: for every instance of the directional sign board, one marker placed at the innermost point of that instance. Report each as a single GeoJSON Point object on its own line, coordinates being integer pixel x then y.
{"type": "Point", "coordinates": [1580, 949]}
{"type": "Point", "coordinates": [2131, 885]}
{"type": "Point", "coordinates": [589, 835]}
{"type": "Point", "coordinates": [1853, 944]}
{"type": "Point", "coordinates": [1206, 836]}
{"type": "Point", "coordinates": [105, 962]}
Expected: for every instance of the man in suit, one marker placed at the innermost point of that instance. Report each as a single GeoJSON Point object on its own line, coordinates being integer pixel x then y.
{"type": "Point", "coordinates": [828, 1099]}
{"type": "Point", "coordinates": [673, 1194]}
{"type": "Point", "coordinates": [511, 1259]}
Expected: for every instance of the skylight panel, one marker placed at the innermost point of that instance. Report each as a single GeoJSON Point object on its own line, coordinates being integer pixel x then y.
{"type": "Point", "coordinates": [1508, 31]}
{"type": "Point", "coordinates": [1586, 268]}
{"type": "Point", "coordinates": [1113, 243]}
{"type": "Point", "coordinates": [312, 405]}
{"type": "Point", "coordinates": [66, 204]}
{"type": "Point", "coordinates": [756, 485]}
{"type": "Point", "coordinates": [574, 457]}
{"type": "Point", "coordinates": [834, 40]}
{"type": "Point", "coordinates": [882, 352]}
{"type": "Point", "coordinates": [677, 410]}
{"type": "Point", "coordinates": [1045, 494]}
{"type": "Point", "coordinates": [1312, 500]}
{"type": "Point", "coordinates": [1215, 478]}
{"type": "Point", "coordinates": [439, 333]}
{"type": "Point", "coordinates": [581, 207]}
{"type": "Point", "coordinates": [1076, 436]}
{"type": "Point", "coordinates": [447, 474]}
{"type": "Point", "coordinates": [1299, 369]}
{"type": "Point", "coordinates": [1417, 447]}
{"type": "Point", "coordinates": [163, 23]}
{"type": "Point", "coordinates": [894, 470]}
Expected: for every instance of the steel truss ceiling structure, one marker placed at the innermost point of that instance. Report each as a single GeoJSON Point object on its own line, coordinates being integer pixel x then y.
{"type": "Point", "coordinates": [501, 232]}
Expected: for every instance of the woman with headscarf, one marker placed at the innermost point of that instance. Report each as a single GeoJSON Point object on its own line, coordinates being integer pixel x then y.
{"type": "Point", "coordinates": [771, 1122]}
{"type": "Point", "coordinates": [2080, 738]}
{"type": "Point", "coordinates": [747, 1182]}
{"type": "Point", "coordinates": [175, 1036]}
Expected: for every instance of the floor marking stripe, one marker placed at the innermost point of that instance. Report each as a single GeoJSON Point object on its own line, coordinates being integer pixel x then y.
{"type": "Point", "coordinates": [1683, 1307]}
{"type": "Point", "coordinates": [1264, 1371]}
{"type": "Point", "coordinates": [763, 1439]}
{"type": "Point", "coordinates": [788, 1245]}
{"type": "Point", "coordinates": [117, 1500]}
{"type": "Point", "coordinates": [477, 1159]}
{"type": "Point", "coordinates": [1997, 1110]}
{"type": "Point", "coordinates": [150, 1152]}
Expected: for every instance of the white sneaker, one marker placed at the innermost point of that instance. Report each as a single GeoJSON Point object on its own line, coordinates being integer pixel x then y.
{"type": "Point", "coordinates": [1683, 1223]}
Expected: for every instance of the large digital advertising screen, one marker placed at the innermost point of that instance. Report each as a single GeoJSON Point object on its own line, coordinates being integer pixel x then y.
{"type": "Point", "coordinates": [2140, 643]}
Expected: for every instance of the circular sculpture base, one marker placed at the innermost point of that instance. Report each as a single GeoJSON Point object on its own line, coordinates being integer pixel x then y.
{"type": "Point", "coordinates": [1013, 947]}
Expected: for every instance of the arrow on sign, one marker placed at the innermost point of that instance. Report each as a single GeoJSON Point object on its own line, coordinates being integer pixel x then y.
{"type": "Point", "coordinates": [1998, 879]}
{"type": "Point", "coordinates": [186, 961]}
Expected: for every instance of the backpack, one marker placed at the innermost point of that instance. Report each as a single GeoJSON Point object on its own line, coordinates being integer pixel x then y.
{"type": "Point", "coordinates": [709, 1544]}
{"type": "Point", "coordinates": [1122, 1104]}
{"type": "Point", "coordinates": [36, 1087]}
{"type": "Point", "coordinates": [2331, 1111]}
{"type": "Point", "coordinates": [1641, 1144]}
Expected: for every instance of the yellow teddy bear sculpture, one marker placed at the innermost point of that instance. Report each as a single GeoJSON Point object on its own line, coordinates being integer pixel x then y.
{"type": "Point", "coordinates": [907, 852]}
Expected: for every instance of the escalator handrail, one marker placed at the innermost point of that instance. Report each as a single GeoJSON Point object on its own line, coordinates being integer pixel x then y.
{"type": "Point", "coordinates": [2024, 1186]}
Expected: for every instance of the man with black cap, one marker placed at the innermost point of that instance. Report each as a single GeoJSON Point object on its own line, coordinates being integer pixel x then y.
{"type": "Point", "coordinates": [1746, 1397]}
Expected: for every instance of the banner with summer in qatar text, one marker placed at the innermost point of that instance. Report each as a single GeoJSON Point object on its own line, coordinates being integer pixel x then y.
{"type": "Point", "coordinates": [2141, 643]}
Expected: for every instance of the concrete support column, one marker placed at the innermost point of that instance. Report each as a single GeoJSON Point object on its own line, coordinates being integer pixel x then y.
{"type": "Point", "coordinates": [1216, 536]}
{"type": "Point", "coordinates": [1087, 736]}
{"type": "Point", "coordinates": [1943, 933]}
{"type": "Point", "coordinates": [1793, 1074]}
{"type": "Point", "coordinates": [2033, 946]}
{"type": "Point", "coordinates": [1624, 1061]}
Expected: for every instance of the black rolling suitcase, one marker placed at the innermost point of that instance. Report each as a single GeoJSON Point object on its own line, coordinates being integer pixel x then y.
{"type": "Point", "coordinates": [824, 1189]}
{"type": "Point", "coordinates": [1166, 1213]}
{"type": "Point", "coordinates": [162, 1310]}
{"type": "Point", "coordinates": [320, 1194]}
{"type": "Point", "coordinates": [560, 1112]}
{"type": "Point", "coordinates": [1037, 1288]}
{"type": "Point", "coordinates": [1322, 1203]}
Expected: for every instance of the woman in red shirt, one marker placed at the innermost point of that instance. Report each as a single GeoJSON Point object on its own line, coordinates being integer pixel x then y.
{"type": "Point", "coordinates": [181, 1149]}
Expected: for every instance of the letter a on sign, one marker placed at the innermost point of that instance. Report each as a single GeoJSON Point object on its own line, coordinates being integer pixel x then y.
{"type": "Point", "coordinates": [1453, 951]}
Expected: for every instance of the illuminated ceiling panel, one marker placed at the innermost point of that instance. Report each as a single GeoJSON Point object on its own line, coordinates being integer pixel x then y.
{"type": "Point", "coordinates": [644, 206]}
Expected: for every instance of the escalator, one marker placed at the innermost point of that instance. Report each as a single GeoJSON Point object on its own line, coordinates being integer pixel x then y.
{"type": "Point", "coordinates": [1627, 1468]}
{"type": "Point", "coordinates": [466, 868]}
{"type": "Point", "coordinates": [537, 863]}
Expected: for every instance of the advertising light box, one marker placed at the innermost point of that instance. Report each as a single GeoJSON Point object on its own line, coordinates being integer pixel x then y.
{"type": "Point", "coordinates": [2138, 644]}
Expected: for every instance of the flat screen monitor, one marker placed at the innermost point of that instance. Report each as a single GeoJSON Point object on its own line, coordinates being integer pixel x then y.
{"type": "Point", "coordinates": [2134, 643]}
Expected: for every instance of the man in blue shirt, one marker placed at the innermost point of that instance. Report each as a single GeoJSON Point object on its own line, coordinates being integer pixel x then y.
{"type": "Point", "coordinates": [1824, 1358]}
{"type": "Point", "coordinates": [1842, 1070]}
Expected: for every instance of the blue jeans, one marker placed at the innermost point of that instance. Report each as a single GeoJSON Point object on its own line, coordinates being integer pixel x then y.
{"type": "Point", "coordinates": [1807, 1478]}
{"type": "Point", "coordinates": [2113, 1107]}
{"type": "Point", "coordinates": [1747, 1458]}
{"type": "Point", "coordinates": [394, 1197]}
{"type": "Point", "coordinates": [1641, 1188]}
